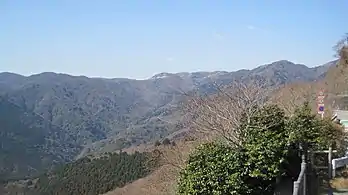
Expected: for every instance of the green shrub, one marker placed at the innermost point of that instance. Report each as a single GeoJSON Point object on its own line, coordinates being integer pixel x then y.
{"type": "Point", "coordinates": [213, 169]}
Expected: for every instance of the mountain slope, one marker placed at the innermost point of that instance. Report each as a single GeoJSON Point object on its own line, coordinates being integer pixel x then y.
{"type": "Point", "coordinates": [95, 176]}
{"type": "Point", "coordinates": [28, 144]}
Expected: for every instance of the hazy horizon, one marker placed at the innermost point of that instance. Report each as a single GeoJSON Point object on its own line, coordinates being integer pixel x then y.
{"type": "Point", "coordinates": [137, 40]}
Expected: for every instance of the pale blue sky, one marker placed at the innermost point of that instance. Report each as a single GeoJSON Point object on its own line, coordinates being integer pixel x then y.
{"type": "Point", "coordinates": [137, 39]}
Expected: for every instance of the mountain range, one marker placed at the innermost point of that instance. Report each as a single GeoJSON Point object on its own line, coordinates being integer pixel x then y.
{"type": "Point", "coordinates": [48, 119]}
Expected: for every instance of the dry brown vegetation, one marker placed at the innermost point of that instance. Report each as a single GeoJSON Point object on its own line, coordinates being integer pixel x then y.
{"type": "Point", "coordinates": [163, 180]}
{"type": "Point", "coordinates": [221, 114]}
{"type": "Point", "coordinates": [341, 182]}
{"type": "Point", "coordinates": [218, 114]}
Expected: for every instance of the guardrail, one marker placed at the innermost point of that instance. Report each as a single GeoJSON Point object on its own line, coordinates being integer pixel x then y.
{"type": "Point", "coordinates": [299, 184]}
{"type": "Point", "coordinates": [337, 163]}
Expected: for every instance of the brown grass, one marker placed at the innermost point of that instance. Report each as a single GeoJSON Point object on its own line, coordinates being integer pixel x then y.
{"type": "Point", "coordinates": [340, 182]}
{"type": "Point", "coordinates": [163, 180]}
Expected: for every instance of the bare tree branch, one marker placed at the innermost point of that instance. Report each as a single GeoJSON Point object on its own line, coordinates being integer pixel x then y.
{"type": "Point", "coordinates": [291, 96]}
{"type": "Point", "coordinates": [341, 45]}
{"type": "Point", "coordinates": [222, 113]}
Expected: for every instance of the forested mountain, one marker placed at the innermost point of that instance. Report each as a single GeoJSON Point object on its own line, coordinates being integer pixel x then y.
{"type": "Point", "coordinates": [48, 118]}
{"type": "Point", "coordinates": [89, 175]}
{"type": "Point", "coordinates": [29, 144]}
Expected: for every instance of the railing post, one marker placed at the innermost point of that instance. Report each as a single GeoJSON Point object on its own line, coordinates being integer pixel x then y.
{"type": "Point", "coordinates": [300, 187]}
{"type": "Point", "coordinates": [304, 148]}
{"type": "Point", "coordinates": [296, 188]}
{"type": "Point", "coordinates": [330, 162]}
{"type": "Point", "coordinates": [304, 183]}
{"type": "Point", "coordinates": [330, 169]}
{"type": "Point", "coordinates": [333, 168]}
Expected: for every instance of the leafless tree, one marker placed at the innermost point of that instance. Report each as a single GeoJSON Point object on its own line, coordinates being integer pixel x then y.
{"type": "Point", "coordinates": [337, 77]}
{"type": "Point", "coordinates": [293, 95]}
{"type": "Point", "coordinates": [222, 113]}
{"type": "Point", "coordinates": [341, 47]}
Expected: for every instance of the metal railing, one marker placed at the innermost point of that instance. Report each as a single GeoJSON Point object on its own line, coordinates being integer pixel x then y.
{"type": "Point", "coordinates": [300, 183]}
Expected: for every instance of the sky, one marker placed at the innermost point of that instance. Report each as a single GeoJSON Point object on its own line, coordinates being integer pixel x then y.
{"type": "Point", "coordinates": [137, 39]}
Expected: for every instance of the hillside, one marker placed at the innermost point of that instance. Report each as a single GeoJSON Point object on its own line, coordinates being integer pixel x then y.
{"type": "Point", "coordinates": [29, 144]}
{"type": "Point", "coordinates": [162, 181]}
{"type": "Point", "coordinates": [88, 175]}
{"type": "Point", "coordinates": [103, 115]}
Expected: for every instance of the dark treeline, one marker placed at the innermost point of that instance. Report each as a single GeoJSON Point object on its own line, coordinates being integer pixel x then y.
{"type": "Point", "coordinates": [93, 176]}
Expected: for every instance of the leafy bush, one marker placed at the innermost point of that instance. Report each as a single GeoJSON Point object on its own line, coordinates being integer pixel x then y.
{"type": "Point", "coordinates": [213, 169]}
{"type": "Point", "coordinates": [307, 128]}
{"type": "Point", "coordinates": [266, 143]}
{"type": "Point", "coordinates": [269, 145]}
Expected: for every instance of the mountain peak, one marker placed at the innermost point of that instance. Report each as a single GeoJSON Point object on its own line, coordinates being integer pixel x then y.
{"type": "Point", "coordinates": [281, 65]}
{"type": "Point", "coordinates": [162, 75]}
{"type": "Point", "coordinates": [282, 62]}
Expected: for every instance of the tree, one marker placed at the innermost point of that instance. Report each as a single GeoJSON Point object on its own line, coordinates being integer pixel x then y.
{"type": "Point", "coordinates": [306, 127]}
{"type": "Point", "coordinates": [336, 78]}
{"type": "Point", "coordinates": [294, 95]}
{"type": "Point", "coordinates": [221, 114]}
{"type": "Point", "coordinates": [210, 170]}
{"type": "Point", "coordinates": [266, 143]}
{"type": "Point", "coordinates": [341, 47]}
